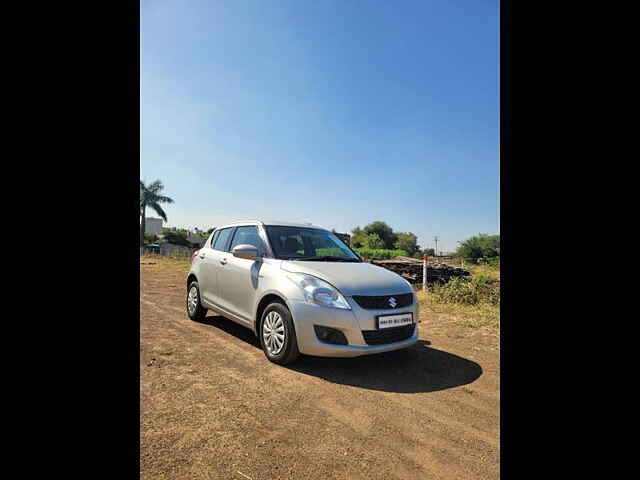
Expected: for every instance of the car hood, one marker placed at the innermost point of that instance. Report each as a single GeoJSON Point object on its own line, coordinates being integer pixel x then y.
{"type": "Point", "coordinates": [352, 278]}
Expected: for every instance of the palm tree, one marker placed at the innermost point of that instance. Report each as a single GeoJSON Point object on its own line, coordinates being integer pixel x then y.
{"type": "Point", "coordinates": [150, 197]}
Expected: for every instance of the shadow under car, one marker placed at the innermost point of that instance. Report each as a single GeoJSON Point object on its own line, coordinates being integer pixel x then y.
{"type": "Point", "coordinates": [417, 369]}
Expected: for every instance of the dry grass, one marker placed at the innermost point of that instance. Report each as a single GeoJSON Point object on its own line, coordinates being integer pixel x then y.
{"type": "Point", "coordinates": [474, 303]}
{"type": "Point", "coordinates": [482, 315]}
{"type": "Point", "coordinates": [163, 262]}
{"type": "Point", "coordinates": [489, 271]}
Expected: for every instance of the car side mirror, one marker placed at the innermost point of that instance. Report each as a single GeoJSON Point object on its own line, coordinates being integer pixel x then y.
{"type": "Point", "coordinates": [248, 252]}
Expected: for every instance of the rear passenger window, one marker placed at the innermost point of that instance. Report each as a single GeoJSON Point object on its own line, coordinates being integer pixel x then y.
{"type": "Point", "coordinates": [213, 239]}
{"type": "Point", "coordinates": [223, 238]}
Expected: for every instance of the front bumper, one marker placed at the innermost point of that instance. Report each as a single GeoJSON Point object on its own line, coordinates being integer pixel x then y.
{"type": "Point", "coordinates": [350, 322]}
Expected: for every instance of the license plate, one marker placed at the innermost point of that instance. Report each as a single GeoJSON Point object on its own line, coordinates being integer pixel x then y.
{"type": "Point", "coordinates": [398, 320]}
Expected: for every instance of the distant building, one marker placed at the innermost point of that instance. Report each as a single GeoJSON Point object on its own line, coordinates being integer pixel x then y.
{"type": "Point", "coordinates": [153, 225]}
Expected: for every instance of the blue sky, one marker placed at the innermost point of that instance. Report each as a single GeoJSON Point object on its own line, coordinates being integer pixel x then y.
{"type": "Point", "coordinates": [334, 112]}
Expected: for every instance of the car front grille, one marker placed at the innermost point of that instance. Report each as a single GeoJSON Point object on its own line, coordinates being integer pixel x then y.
{"type": "Point", "coordinates": [382, 302]}
{"type": "Point", "coordinates": [388, 335]}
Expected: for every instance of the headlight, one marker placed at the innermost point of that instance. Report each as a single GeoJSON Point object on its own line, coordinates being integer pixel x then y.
{"type": "Point", "coordinates": [318, 291]}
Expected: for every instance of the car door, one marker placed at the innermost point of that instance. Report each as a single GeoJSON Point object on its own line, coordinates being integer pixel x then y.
{"type": "Point", "coordinates": [206, 275]}
{"type": "Point", "coordinates": [211, 262]}
{"type": "Point", "coordinates": [239, 277]}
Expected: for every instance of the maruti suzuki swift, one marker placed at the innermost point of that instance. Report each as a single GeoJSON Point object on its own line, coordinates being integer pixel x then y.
{"type": "Point", "coordinates": [301, 290]}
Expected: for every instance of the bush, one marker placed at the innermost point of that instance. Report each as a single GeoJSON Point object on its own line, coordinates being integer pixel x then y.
{"type": "Point", "coordinates": [468, 291]}
{"type": "Point", "coordinates": [493, 262]}
{"type": "Point", "coordinates": [379, 252]}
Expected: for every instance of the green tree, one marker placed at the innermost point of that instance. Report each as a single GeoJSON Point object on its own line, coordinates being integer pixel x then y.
{"type": "Point", "coordinates": [150, 196]}
{"type": "Point", "coordinates": [150, 238]}
{"type": "Point", "coordinates": [430, 252]}
{"type": "Point", "coordinates": [384, 231]}
{"type": "Point", "coordinates": [179, 237]}
{"type": "Point", "coordinates": [407, 242]}
{"type": "Point", "coordinates": [479, 246]}
{"type": "Point", "coordinates": [358, 237]}
{"type": "Point", "coordinates": [373, 241]}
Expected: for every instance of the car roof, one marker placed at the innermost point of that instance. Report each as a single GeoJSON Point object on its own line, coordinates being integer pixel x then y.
{"type": "Point", "coordinates": [270, 222]}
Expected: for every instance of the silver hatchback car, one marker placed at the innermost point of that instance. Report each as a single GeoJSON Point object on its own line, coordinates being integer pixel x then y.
{"type": "Point", "coordinates": [301, 289]}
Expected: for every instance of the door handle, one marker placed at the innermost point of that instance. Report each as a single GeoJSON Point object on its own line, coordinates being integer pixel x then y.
{"type": "Point", "coordinates": [223, 261]}
{"type": "Point", "coordinates": [202, 255]}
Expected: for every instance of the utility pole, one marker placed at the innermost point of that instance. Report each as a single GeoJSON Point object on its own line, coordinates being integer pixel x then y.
{"type": "Point", "coordinates": [436, 239]}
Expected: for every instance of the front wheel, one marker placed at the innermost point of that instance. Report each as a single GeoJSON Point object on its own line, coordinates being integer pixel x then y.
{"type": "Point", "coordinates": [278, 335]}
{"type": "Point", "coordinates": [194, 307]}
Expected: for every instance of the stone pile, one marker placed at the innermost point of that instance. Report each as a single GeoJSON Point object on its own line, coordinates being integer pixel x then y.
{"type": "Point", "coordinates": [411, 270]}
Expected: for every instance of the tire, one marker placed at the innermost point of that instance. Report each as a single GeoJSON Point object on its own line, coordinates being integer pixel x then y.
{"type": "Point", "coordinates": [276, 318]}
{"type": "Point", "coordinates": [198, 313]}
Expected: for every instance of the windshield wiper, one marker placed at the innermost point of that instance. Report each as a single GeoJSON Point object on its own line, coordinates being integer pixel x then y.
{"type": "Point", "coordinates": [329, 258]}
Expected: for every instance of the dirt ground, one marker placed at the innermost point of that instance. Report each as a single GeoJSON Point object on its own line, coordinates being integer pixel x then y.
{"type": "Point", "coordinates": [213, 407]}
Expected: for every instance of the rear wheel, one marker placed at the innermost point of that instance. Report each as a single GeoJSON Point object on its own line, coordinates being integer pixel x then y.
{"type": "Point", "coordinates": [194, 307]}
{"type": "Point", "coordinates": [278, 335]}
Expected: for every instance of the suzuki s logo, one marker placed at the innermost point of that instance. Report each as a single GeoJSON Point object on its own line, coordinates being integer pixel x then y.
{"type": "Point", "coordinates": [393, 302]}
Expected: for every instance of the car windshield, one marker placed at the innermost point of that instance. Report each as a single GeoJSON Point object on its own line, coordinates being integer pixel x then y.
{"type": "Point", "coordinates": [310, 244]}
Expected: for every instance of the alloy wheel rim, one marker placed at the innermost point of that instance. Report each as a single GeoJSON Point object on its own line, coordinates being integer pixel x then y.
{"type": "Point", "coordinates": [273, 332]}
{"type": "Point", "coordinates": [192, 301]}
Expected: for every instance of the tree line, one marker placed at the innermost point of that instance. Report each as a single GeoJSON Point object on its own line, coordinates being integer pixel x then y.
{"type": "Point", "coordinates": [480, 246]}
{"type": "Point", "coordinates": [374, 236]}
{"type": "Point", "coordinates": [379, 235]}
